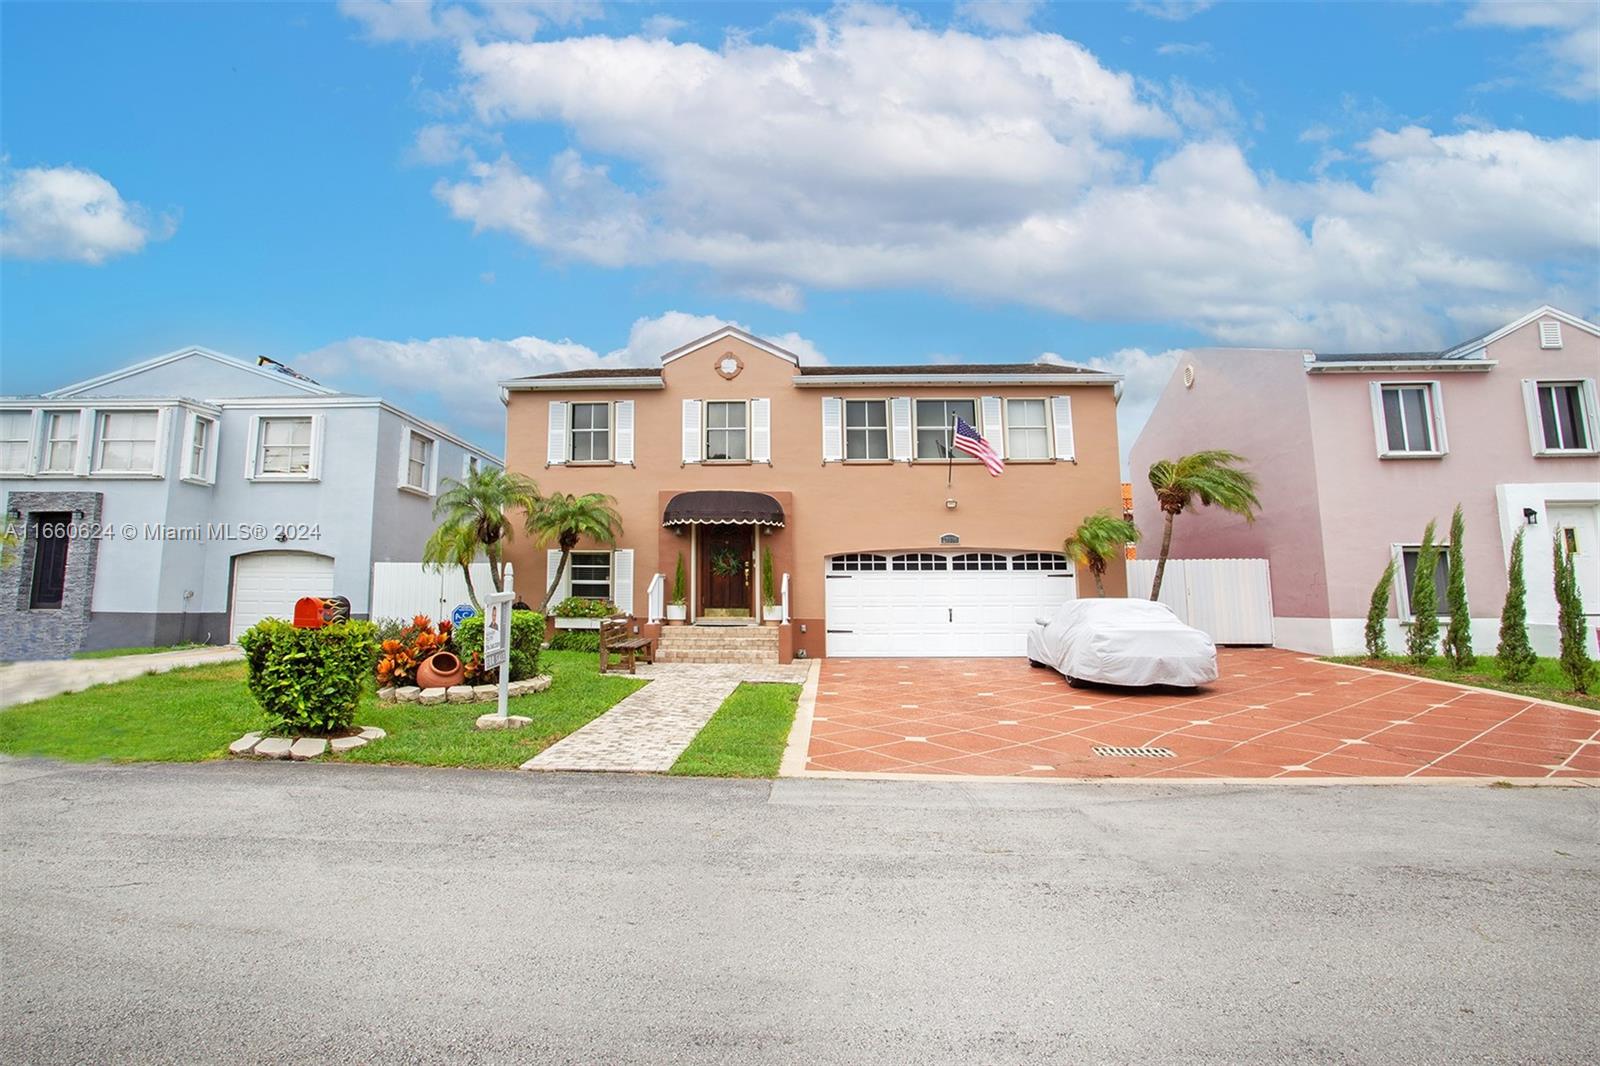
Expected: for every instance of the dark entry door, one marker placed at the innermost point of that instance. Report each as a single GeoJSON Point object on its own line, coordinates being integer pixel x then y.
{"type": "Point", "coordinates": [725, 553]}
{"type": "Point", "coordinates": [49, 558]}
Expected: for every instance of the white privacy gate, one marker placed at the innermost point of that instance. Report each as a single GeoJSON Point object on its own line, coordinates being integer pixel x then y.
{"type": "Point", "coordinates": [1229, 599]}
{"type": "Point", "coordinates": [401, 590]}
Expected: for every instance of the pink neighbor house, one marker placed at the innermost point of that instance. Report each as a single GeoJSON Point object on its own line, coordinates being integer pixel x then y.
{"type": "Point", "coordinates": [1355, 453]}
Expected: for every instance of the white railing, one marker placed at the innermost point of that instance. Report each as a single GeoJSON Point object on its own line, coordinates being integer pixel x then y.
{"type": "Point", "coordinates": [655, 598]}
{"type": "Point", "coordinates": [785, 600]}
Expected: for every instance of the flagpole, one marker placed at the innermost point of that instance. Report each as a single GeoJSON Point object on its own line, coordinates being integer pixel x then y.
{"type": "Point", "coordinates": [950, 456]}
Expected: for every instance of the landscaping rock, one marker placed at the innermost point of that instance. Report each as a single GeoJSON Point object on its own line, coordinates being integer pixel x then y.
{"type": "Point", "coordinates": [519, 688]}
{"type": "Point", "coordinates": [432, 696]}
{"type": "Point", "coordinates": [243, 745]}
{"type": "Point", "coordinates": [459, 693]}
{"type": "Point", "coordinates": [386, 694]}
{"type": "Point", "coordinates": [494, 721]}
{"type": "Point", "coordinates": [307, 748]}
{"type": "Point", "coordinates": [347, 743]}
{"type": "Point", "coordinates": [273, 748]}
{"type": "Point", "coordinates": [372, 732]}
{"type": "Point", "coordinates": [539, 684]}
{"type": "Point", "coordinates": [408, 694]}
{"type": "Point", "coordinates": [486, 693]}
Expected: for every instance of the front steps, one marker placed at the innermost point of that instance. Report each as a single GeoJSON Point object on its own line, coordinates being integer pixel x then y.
{"type": "Point", "coordinates": [718, 644]}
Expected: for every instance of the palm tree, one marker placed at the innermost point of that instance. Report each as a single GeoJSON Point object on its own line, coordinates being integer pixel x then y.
{"type": "Point", "coordinates": [474, 512]}
{"type": "Point", "coordinates": [1099, 538]}
{"type": "Point", "coordinates": [564, 519]}
{"type": "Point", "coordinates": [1215, 477]}
{"type": "Point", "coordinates": [454, 546]}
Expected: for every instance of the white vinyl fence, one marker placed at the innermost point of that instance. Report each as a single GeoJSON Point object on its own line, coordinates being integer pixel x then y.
{"type": "Point", "coordinates": [1230, 599]}
{"type": "Point", "coordinates": [400, 590]}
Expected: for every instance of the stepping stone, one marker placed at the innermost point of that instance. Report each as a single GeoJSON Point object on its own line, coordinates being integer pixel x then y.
{"type": "Point", "coordinates": [372, 732]}
{"type": "Point", "coordinates": [273, 748]}
{"type": "Point", "coordinates": [407, 694]}
{"type": "Point", "coordinates": [347, 743]}
{"type": "Point", "coordinates": [386, 694]}
{"type": "Point", "coordinates": [307, 748]}
{"type": "Point", "coordinates": [244, 744]}
{"type": "Point", "coordinates": [494, 721]}
{"type": "Point", "coordinates": [459, 693]}
{"type": "Point", "coordinates": [432, 696]}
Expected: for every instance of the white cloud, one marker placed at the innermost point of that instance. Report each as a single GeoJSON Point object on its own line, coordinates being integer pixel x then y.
{"type": "Point", "coordinates": [1144, 375]}
{"type": "Point", "coordinates": [72, 214]}
{"type": "Point", "coordinates": [661, 26]}
{"type": "Point", "coordinates": [414, 21]}
{"type": "Point", "coordinates": [1185, 48]}
{"type": "Point", "coordinates": [1004, 16]}
{"type": "Point", "coordinates": [1570, 40]}
{"type": "Point", "coordinates": [1172, 10]}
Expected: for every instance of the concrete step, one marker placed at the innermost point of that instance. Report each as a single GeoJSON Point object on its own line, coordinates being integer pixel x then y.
{"type": "Point", "coordinates": [718, 644]}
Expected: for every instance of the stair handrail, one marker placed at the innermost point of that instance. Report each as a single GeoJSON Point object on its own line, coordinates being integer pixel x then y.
{"type": "Point", "coordinates": [784, 619]}
{"type": "Point", "coordinates": [655, 599]}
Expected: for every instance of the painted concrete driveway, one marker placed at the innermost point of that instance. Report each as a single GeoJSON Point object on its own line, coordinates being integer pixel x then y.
{"type": "Point", "coordinates": [1272, 714]}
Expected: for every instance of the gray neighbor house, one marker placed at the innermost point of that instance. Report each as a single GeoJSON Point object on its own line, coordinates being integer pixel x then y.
{"type": "Point", "coordinates": [186, 497]}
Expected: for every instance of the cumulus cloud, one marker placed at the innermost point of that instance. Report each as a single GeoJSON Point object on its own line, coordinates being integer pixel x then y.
{"type": "Point", "coordinates": [71, 214]}
{"type": "Point", "coordinates": [1172, 10]}
{"type": "Point", "coordinates": [1004, 16]}
{"type": "Point", "coordinates": [1569, 39]}
{"type": "Point", "coordinates": [414, 21]}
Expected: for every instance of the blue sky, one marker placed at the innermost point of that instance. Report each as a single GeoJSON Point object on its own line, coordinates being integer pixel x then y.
{"type": "Point", "coordinates": [415, 200]}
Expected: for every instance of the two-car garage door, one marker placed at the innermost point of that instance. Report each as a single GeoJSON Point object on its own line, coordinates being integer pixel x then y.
{"type": "Point", "coordinates": [941, 603]}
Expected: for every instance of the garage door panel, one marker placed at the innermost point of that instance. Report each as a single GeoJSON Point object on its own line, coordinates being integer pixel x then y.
{"type": "Point", "coordinates": [267, 584]}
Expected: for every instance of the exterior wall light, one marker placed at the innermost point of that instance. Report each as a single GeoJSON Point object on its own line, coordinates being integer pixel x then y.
{"type": "Point", "coordinates": [1530, 516]}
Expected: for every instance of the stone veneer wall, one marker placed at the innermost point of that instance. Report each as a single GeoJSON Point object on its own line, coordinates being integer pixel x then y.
{"type": "Point", "coordinates": [52, 633]}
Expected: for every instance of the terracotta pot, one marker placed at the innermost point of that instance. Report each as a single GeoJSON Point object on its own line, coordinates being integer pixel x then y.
{"type": "Point", "coordinates": [440, 670]}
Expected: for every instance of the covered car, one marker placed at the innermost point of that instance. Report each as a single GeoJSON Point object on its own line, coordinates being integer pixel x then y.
{"type": "Point", "coordinates": [1122, 642]}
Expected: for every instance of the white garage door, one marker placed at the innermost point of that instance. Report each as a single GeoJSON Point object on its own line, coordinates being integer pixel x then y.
{"type": "Point", "coordinates": [941, 603]}
{"type": "Point", "coordinates": [266, 584]}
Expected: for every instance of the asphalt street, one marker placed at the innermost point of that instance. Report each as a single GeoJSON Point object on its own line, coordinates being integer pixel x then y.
{"type": "Point", "coordinates": [248, 912]}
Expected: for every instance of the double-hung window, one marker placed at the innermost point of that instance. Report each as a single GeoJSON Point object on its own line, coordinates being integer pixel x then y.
{"type": "Point", "coordinates": [591, 433]}
{"type": "Point", "coordinates": [1027, 430]}
{"type": "Point", "coordinates": [60, 443]}
{"type": "Point", "coordinates": [16, 428]}
{"type": "Point", "coordinates": [126, 442]}
{"type": "Point", "coordinates": [197, 463]}
{"type": "Point", "coordinates": [419, 461]}
{"type": "Point", "coordinates": [1565, 418]}
{"type": "Point", "coordinates": [1409, 555]}
{"type": "Point", "coordinates": [1409, 419]}
{"type": "Point", "coordinates": [866, 429]}
{"type": "Point", "coordinates": [591, 575]}
{"type": "Point", "coordinates": [727, 431]}
{"type": "Point", "coordinates": [935, 425]}
{"type": "Point", "coordinates": [285, 448]}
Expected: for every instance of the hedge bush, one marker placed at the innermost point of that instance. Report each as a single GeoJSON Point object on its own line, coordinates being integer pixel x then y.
{"type": "Point", "coordinates": [576, 640]}
{"type": "Point", "coordinates": [309, 680]}
{"type": "Point", "coordinates": [527, 634]}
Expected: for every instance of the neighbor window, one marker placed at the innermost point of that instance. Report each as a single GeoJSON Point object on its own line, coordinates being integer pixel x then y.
{"type": "Point", "coordinates": [60, 442]}
{"type": "Point", "coordinates": [1027, 430]}
{"type": "Point", "coordinates": [1410, 424]}
{"type": "Point", "coordinates": [1408, 575]}
{"type": "Point", "coordinates": [935, 422]}
{"type": "Point", "coordinates": [201, 440]}
{"type": "Point", "coordinates": [1564, 417]}
{"type": "Point", "coordinates": [591, 432]}
{"type": "Point", "coordinates": [727, 431]}
{"type": "Point", "coordinates": [15, 427]}
{"type": "Point", "coordinates": [49, 532]}
{"type": "Point", "coordinates": [126, 442]}
{"type": "Point", "coordinates": [866, 429]}
{"type": "Point", "coordinates": [591, 575]}
{"type": "Point", "coordinates": [285, 447]}
{"type": "Point", "coordinates": [419, 460]}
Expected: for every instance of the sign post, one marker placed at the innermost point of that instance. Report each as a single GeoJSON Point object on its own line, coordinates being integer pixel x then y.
{"type": "Point", "coordinates": [497, 640]}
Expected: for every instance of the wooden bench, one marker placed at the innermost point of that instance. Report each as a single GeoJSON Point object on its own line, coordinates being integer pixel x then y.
{"type": "Point", "coordinates": [617, 639]}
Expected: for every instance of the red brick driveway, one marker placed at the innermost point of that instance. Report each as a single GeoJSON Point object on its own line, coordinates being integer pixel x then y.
{"type": "Point", "coordinates": [1272, 714]}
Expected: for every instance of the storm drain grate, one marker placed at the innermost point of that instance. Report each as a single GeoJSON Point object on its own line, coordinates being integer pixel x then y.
{"type": "Point", "coordinates": [1113, 752]}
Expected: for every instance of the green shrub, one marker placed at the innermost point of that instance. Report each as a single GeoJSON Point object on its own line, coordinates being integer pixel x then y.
{"type": "Point", "coordinates": [527, 634]}
{"type": "Point", "coordinates": [769, 587]}
{"type": "Point", "coordinates": [390, 628]}
{"type": "Point", "coordinates": [584, 607]}
{"type": "Point", "coordinates": [1423, 639]}
{"type": "Point", "coordinates": [1570, 620]}
{"type": "Point", "coordinates": [680, 583]}
{"type": "Point", "coordinates": [309, 680]}
{"type": "Point", "coordinates": [1458, 637]}
{"type": "Point", "coordinates": [576, 640]}
{"type": "Point", "coordinates": [1515, 652]}
{"type": "Point", "coordinates": [1378, 615]}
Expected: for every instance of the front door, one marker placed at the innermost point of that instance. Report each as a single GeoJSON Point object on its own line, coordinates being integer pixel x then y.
{"type": "Point", "coordinates": [1578, 527]}
{"type": "Point", "coordinates": [725, 577]}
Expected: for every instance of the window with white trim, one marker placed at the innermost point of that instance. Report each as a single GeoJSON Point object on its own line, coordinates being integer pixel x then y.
{"type": "Point", "coordinates": [1564, 416]}
{"type": "Point", "coordinates": [591, 433]}
{"type": "Point", "coordinates": [284, 448]}
{"type": "Point", "coordinates": [591, 575]}
{"type": "Point", "coordinates": [60, 455]}
{"type": "Point", "coordinates": [16, 430]}
{"type": "Point", "coordinates": [202, 442]}
{"type": "Point", "coordinates": [419, 461]}
{"type": "Point", "coordinates": [1027, 429]}
{"type": "Point", "coordinates": [866, 429]}
{"type": "Point", "coordinates": [727, 431]}
{"type": "Point", "coordinates": [855, 562]}
{"type": "Point", "coordinates": [1410, 419]}
{"type": "Point", "coordinates": [125, 442]}
{"type": "Point", "coordinates": [1409, 553]}
{"type": "Point", "coordinates": [935, 422]}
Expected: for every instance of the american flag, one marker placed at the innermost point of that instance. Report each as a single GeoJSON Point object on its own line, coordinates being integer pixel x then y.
{"type": "Point", "coordinates": [968, 440]}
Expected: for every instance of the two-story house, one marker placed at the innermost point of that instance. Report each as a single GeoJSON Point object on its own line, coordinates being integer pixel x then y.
{"type": "Point", "coordinates": [186, 497]}
{"type": "Point", "coordinates": [1356, 453]}
{"type": "Point", "coordinates": [883, 542]}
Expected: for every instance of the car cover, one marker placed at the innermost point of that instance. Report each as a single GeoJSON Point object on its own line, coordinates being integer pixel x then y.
{"type": "Point", "coordinates": [1124, 642]}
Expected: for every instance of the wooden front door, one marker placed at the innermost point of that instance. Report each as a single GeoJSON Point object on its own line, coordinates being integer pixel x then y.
{"type": "Point", "coordinates": [725, 570]}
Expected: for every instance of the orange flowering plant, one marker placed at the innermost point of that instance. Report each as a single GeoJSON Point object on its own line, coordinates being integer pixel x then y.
{"type": "Point", "coordinates": [401, 655]}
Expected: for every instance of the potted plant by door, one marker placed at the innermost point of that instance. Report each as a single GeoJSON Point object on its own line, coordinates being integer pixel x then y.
{"type": "Point", "coordinates": [677, 609]}
{"type": "Point", "coordinates": [770, 611]}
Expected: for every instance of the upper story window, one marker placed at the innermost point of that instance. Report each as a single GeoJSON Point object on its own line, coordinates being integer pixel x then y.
{"type": "Point", "coordinates": [200, 455]}
{"type": "Point", "coordinates": [1409, 417]}
{"type": "Point", "coordinates": [419, 461]}
{"type": "Point", "coordinates": [1027, 430]}
{"type": "Point", "coordinates": [591, 575]}
{"type": "Point", "coordinates": [15, 432]}
{"type": "Point", "coordinates": [60, 443]}
{"type": "Point", "coordinates": [126, 442]}
{"type": "Point", "coordinates": [727, 431]}
{"type": "Point", "coordinates": [1565, 417]}
{"type": "Point", "coordinates": [935, 425]}
{"type": "Point", "coordinates": [866, 429]}
{"type": "Point", "coordinates": [285, 448]}
{"type": "Point", "coordinates": [591, 433]}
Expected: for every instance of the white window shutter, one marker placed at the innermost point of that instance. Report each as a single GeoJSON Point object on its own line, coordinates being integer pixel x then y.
{"type": "Point", "coordinates": [900, 421]}
{"type": "Point", "coordinates": [832, 429]}
{"type": "Point", "coordinates": [1549, 334]}
{"type": "Point", "coordinates": [86, 438]}
{"type": "Point", "coordinates": [1530, 404]}
{"type": "Point", "coordinates": [691, 431]}
{"type": "Point", "coordinates": [990, 409]}
{"type": "Point", "coordinates": [622, 579]}
{"type": "Point", "coordinates": [556, 452]}
{"type": "Point", "coordinates": [252, 445]}
{"type": "Point", "coordinates": [552, 559]}
{"type": "Point", "coordinates": [1379, 430]}
{"type": "Point", "coordinates": [191, 426]}
{"type": "Point", "coordinates": [215, 448]}
{"type": "Point", "coordinates": [405, 455]}
{"type": "Point", "coordinates": [624, 420]}
{"type": "Point", "coordinates": [466, 465]}
{"type": "Point", "coordinates": [1441, 441]}
{"type": "Point", "coordinates": [761, 431]}
{"type": "Point", "coordinates": [1061, 413]}
{"type": "Point", "coordinates": [319, 424]}
{"type": "Point", "coordinates": [38, 426]}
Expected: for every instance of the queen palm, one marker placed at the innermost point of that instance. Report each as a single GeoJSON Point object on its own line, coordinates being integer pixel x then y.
{"type": "Point", "coordinates": [563, 519]}
{"type": "Point", "coordinates": [473, 512]}
{"type": "Point", "coordinates": [1214, 477]}
{"type": "Point", "coordinates": [1099, 538]}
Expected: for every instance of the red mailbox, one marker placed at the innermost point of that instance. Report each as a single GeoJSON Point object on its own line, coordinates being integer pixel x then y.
{"type": "Point", "coordinates": [308, 612]}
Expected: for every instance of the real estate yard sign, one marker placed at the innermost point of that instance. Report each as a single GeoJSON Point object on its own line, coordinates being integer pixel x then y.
{"type": "Point", "coordinates": [497, 638]}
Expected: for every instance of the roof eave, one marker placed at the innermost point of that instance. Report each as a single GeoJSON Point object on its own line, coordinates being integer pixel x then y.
{"type": "Point", "coordinates": [586, 384]}
{"type": "Point", "coordinates": [824, 381]}
{"type": "Point", "coordinates": [1399, 366]}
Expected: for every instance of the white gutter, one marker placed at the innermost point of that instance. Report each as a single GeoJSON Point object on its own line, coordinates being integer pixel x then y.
{"type": "Point", "coordinates": [1403, 366]}
{"type": "Point", "coordinates": [832, 381]}
{"type": "Point", "coordinates": [518, 385]}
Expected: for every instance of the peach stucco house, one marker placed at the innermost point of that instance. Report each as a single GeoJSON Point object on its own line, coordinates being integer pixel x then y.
{"type": "Point", "coordinates": [1357, 452]}
{"type": "Point", "coordinates": [880, 545]}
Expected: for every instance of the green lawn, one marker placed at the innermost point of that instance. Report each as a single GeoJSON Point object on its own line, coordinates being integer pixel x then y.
{"type": "Point", "coordinates": [1546, 682]}
{"type": "Point", "coordinates": [194, 714]}
{"type": "Point", "coordinates": [113, 653]}
{"type": "Point", "coordinates": [746, 737]}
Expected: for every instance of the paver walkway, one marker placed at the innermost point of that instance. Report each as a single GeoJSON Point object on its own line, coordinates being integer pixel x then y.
{"type": "Point", "coordinates": [1272, 714]}
{"type": "Point", "coordinates": [24, 682]}
{"type": "Point", "coordinates": [647, 731]}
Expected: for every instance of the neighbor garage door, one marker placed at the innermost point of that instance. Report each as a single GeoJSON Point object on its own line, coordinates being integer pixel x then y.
{"type": "Point", "coordinates": [266, 584]}
{"type": "Point", "coordinates": [941, 603]}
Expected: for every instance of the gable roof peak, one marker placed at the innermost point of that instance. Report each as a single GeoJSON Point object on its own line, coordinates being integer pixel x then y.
{"type": "Point", "coordinates": [725, 332]}
{"type": "Point", "coordinates": [297, 381]}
